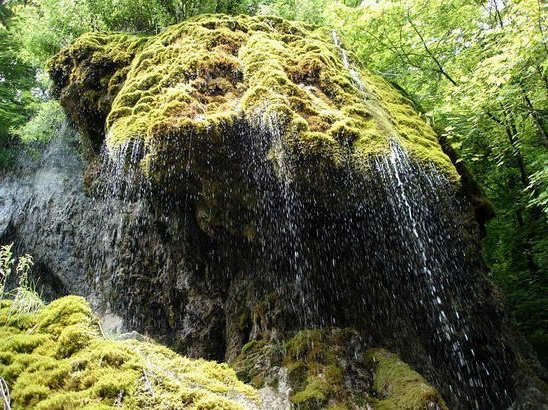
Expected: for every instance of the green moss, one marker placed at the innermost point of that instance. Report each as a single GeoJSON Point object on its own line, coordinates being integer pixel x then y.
{"type": "Point", "coordinates": [57, 359]}
{"type": "Point", "coordinates": [316, 361]}
{"type": "Point", "coordinates": [248, 363]}
{"type": "Point", "coordinates": [184, 92]}
{"type": "Point", "coordinates": [64, 312]}
{"type": "Point", "coordinates": [326, 369]}
{"type": "Point", "coordinates": [88, 74]}
{"type": "Point", "coordinates": [400, 387]}
{"type": "Point", "coordinates": [249, 346]}
{"type": "Point", "coordinates": [314, 393]}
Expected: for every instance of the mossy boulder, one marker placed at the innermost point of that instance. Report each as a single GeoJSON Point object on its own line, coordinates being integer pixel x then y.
{"type": "Point", "coordinates": [57, 358]}
{"type": "Point", "coordinates": [328, 369]}
{"type": "Point", "coordinates": [88, 75]}
{"type": "Point", "coordinates": [256, 127]}
{"type": "Point", "coordinates": [397, 386]}
{"type": "Point", "coordinates": [186, 94]}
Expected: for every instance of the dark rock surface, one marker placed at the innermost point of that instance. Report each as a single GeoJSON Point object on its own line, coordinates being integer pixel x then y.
{"type": "Point", "coordinates": [104, 248]}
{"type": "Point", "coordinates": [152, 266]}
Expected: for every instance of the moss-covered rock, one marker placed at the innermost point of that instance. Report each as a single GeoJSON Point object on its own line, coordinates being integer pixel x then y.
{"type": "Point", "coordinates": [327, 369]}
{"type": "Point", "coordinates": [398, 387]}
{"type": "Point", "coordinates": [203, 108]}
{"type": "Point", "coordinates": [87, 76]}
{"type": "Point", "coordinates": [56, 358]}
{"type": "Point", "coordinates": [185, 92]}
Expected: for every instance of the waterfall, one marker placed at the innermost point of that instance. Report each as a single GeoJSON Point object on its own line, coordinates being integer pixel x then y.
{"type": "Point", "coordinates": [431, 261]}
{"type": "Point", "coordinates": [346, 62]}
{"type": "Point", "coordinates": [384, 252]}
{"type": "Point", "coordinates": [419, 222]}
{"type": "Point", "coordinates": [279, 212]}
{"type": "Point", "coordinates": [121, 175]}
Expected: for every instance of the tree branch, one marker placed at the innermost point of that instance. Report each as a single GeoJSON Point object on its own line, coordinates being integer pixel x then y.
{"type": "Point", "coordinates": [429, 52]}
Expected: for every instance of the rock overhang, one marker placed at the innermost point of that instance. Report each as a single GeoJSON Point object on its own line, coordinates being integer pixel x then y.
{"type": "Point", "coordinates": [186, 94]}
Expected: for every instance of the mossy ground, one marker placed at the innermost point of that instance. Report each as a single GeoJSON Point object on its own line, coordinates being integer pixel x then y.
{"type": "Point", "coordinates": [56, 358]}
{"type": "Point", "coordinates": [183, 91]}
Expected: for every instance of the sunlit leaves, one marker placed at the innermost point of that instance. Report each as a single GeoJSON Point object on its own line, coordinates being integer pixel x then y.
{"type": "Point", "coordinates": [16, 78]}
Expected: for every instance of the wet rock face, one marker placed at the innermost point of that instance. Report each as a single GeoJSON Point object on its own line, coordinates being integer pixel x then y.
{"type": "Point", "coordinates": [183, 96]}
{"type": "Point", "coordinates": [125, 258]}
{"type": "Point", "coordinates": [231, 204]}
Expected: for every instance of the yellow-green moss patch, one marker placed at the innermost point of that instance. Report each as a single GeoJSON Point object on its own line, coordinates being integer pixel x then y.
{"type": "Point", "coordinates": [322, 368]}
{"type": "Point", "coordinates": [398, 386]}
{"type": "Point", "coordinates": [317, 361]}
{"type": "Point", "coordinates": [185, 92]}
{"type": "Point", "coordinates": [56, 358]}
{"type": "Point", "coordinates": [326, 369]}
{"type": "Point", "coordinates": [87, 76]}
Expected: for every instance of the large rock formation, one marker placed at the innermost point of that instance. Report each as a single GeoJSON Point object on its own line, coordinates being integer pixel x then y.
{"type": "Point", "coordinates": [254, 197]}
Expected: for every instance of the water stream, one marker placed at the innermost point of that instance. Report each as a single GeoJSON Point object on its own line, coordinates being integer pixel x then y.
{"type": "Point", "coordinates": [424, 214]}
